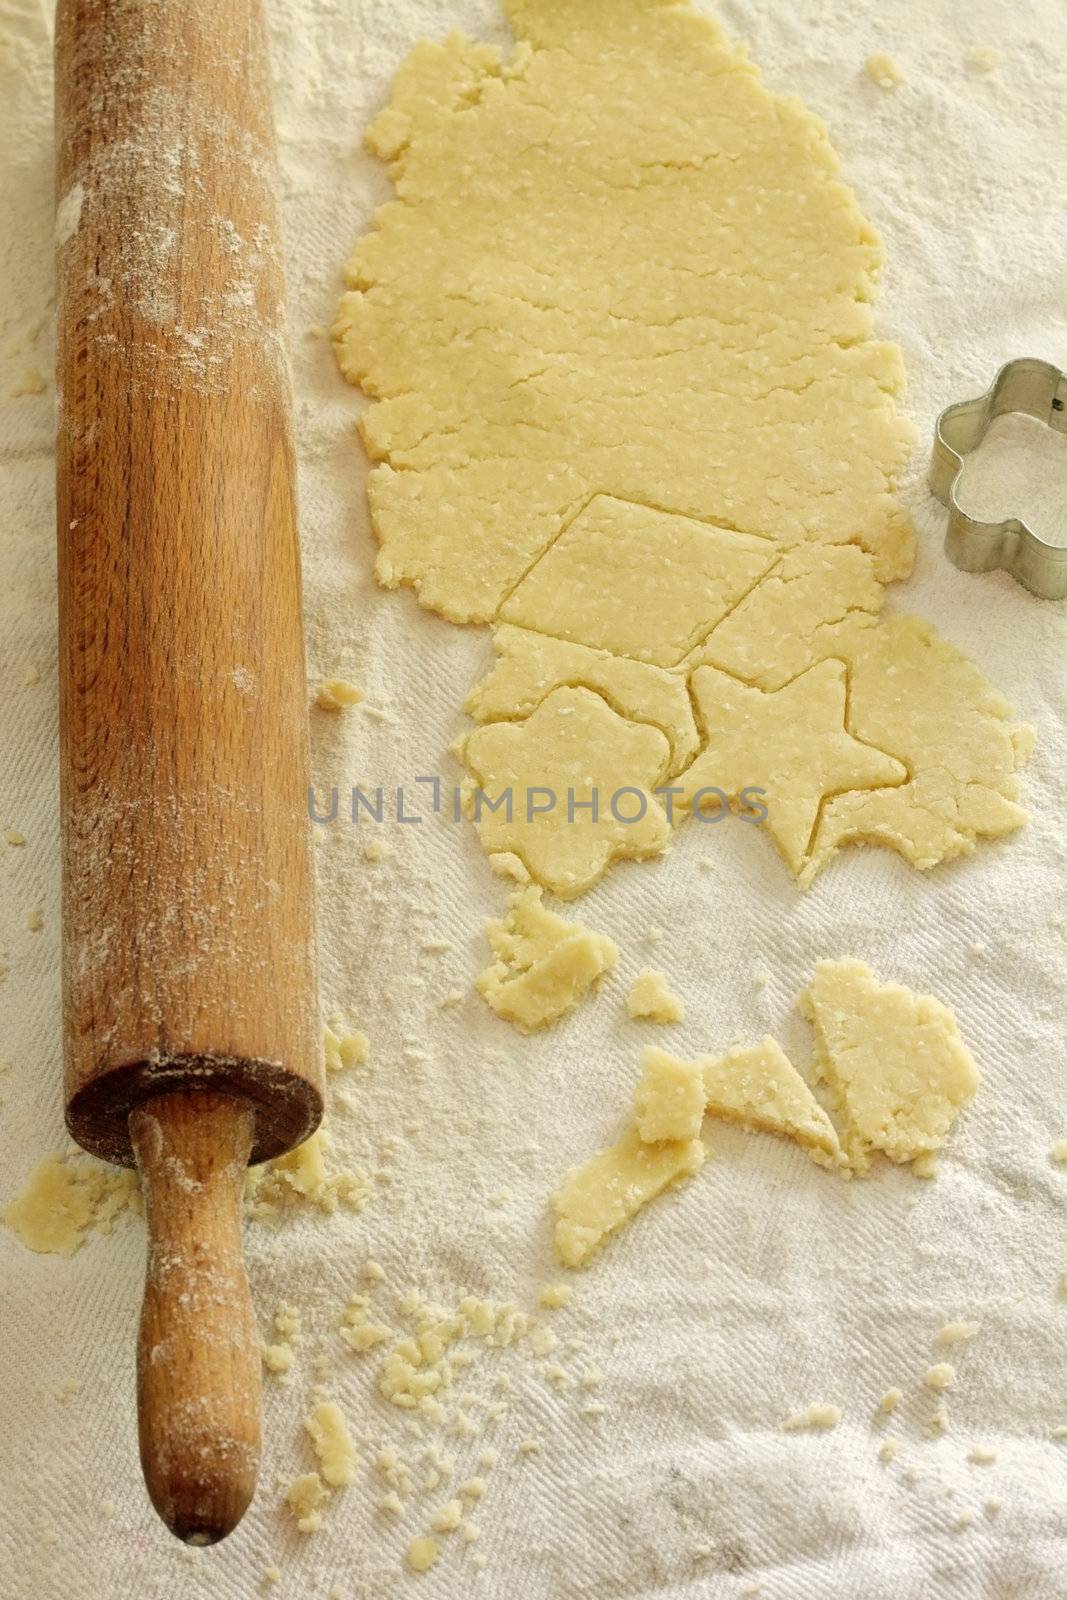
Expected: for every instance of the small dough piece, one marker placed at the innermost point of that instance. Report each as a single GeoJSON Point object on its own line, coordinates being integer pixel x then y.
{"type": "Point", "coordinates": [791, 744]}
{"type": "Point", "coordinates": [544, 964]}
{"type": "Point", "coordinates": [651, 999]}
{"type": "Point", "coordinates": [984, 58]}
{"type": "Point", "coordinates": [597, 1198]}
{"type": "Point", "coordinates": [333, 1443]}
{"type": "Point", "coordinates": [883, 70]}
{"type": "Point", "coordinates": [817, 1416]}
{"type": "Point", "coordinates": [669, 1101]}
{"type": "Point", "coordinates": [65, 1198]}
{"type": "Point", "coordinates": [337, 694]}
{"type": "Point", "coordinates": [672, 579]}
{"type": "Point", "coordinates": [577, 780]}
{"type": "Point", "coordinates": [530, 665]}
{"type": "Point", "coordinates": [422, 1553]}
{"type": "Point", "coordinates": [278, 1358]}
{"type": "Point", "coordinates": [758, 1086]}
{"type": "Point", "coordinates": [893, 1059]}
{"type": "Point", "coordinates": [942, 1375]}
{"type": "Point", "coordinates": [306, 1497]}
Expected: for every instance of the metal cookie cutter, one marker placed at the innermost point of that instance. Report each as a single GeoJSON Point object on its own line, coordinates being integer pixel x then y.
{"type": "Point", "coordinates": [1039, 390]}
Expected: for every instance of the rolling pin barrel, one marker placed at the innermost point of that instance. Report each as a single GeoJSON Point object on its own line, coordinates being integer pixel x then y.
{"type": "Point", "coordinates": [191, 1033]}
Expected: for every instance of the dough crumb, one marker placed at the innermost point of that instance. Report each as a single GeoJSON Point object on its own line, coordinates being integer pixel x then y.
{"type": "Point", "coordinates": [669, 1100]}
{"type": "Point", "coordinates": [377, 850]}
{"type": "Point", "coordinates": [271, 1576]}
{"type": "Point", "coordinates": [447, 1518]}
{"type": "Point", "coordinates": [332, 1443]}
{"type": "Point", "coordinates": [982, 1455]}
{"type": "Point", "coordinates": [277, 1357]}
{"type": "Point", "coordinates": [337, 694]}
{"type": "Point", "coordinates": [344, 1050]}
{"type": "Point", "coordinates": [993, 1506]}
{"type": "Point", "coordinates": [889, 1449]}
{"type": "Point", "coordinates": [890, 1400]}
{"type": "Point", "coordinates": [1058, 1152]}
{"type": "Point", "coordinates": [35, 919]}
{"type": "Point", "coordinates": [544, 964]}
{"type": "Point", "coordinates": [305, 1498]}
{"type": "Point", "coordinates": [956, 1332]}
{"type": "Point", "coordinates": [555, 1295]}
{"type": "Point", "coordinates": [651, 999]}
{"type": "Point", "coordinates": [942, 1375]}
{"type": "Point", "coordinates": [422, 1553]}
{"type": "Point", "coordinates": [287, 1321]}
{"type": "Point", "coordinates": [817, 1416]}
{"type": "Point", "coordinates": [13, 837]}
{"type": "Point", "coordinates": [983, 58]}
{"type": "Point", "coordinates": [31, 381]}
{"type": "Point", "coordinates": [883, 70]}
{"type": "Point", "coordinates": [938, 1421]}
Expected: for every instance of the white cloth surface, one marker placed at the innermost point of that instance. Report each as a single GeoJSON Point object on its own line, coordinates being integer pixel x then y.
{"type": "Point", "coordinates": [766, 1284]}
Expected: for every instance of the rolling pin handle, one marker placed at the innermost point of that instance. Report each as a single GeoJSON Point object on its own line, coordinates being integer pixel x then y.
{"type": "Point", "coordinates": [198, 1355]}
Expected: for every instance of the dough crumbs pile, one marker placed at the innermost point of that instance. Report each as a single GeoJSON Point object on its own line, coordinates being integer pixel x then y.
{"type": "Point", "coordinates": [898, 1069]}
{"type": "Point", "coordinates": [628, 408]}
{"type": "Point", "coordinates": [544, 964]}
{"type": "Point", "coordinates": [883, 70]}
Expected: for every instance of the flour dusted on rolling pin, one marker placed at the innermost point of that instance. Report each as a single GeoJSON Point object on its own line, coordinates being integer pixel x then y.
{"type": "Point", "coordinates": [154, 183]}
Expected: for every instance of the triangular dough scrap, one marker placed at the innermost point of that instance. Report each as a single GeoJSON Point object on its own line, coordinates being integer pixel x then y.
{"type": "Point", "coordinates": [599, 1196]}
{"type": "Point", "coordinates": [758, 1086]}
{"type": "Point", "coordinates": [894, 1060]}
{"type": "Point", "coordinates": [544, 964]}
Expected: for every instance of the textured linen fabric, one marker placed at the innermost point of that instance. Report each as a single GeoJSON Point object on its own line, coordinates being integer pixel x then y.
{"type": "Point", "coordinates": [766, 1285]}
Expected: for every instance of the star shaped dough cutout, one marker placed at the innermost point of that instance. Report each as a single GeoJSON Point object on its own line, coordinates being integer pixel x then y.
{"type": "Point", "coordinates": [793, 744]}
{"type": "Point", "coordinates": [573, 748]}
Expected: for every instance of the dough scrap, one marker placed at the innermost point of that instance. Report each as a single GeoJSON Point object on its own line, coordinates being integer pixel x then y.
{"type": "Point", "coordinates": [616, 264]}
{"type": "Point", "coordinates": [760, 1087]}
{"type": "Point", "coordinates": [544, 964]}
{"type": "Point", "coordinates": [651, 999]}
{"type": "Point", "coordinates": [792, 744]}
{"type": "Point", "coordinates": [530, 665]}
{"type": "Point", "coordinates": [672, 579]}
{"type": "Point", "coordinates": [894, 1061]}
{"type": "Point", "coordinates": [305, 1497]}
{"type": "Point", "coordinates": [65, 1198]}
{"type": "Point", "coordinates": [598, 1197]}
{"type": "Point", "coordinates": [669, 1100]}
{"type": "Point", "coordinates": [333, 1443]}
{"type": "Point", "coordinates": [544, 774]}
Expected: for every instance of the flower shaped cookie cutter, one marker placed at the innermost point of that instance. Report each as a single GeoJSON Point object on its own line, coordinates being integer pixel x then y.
{"type": "Point", "coordinates": [1039, 390]}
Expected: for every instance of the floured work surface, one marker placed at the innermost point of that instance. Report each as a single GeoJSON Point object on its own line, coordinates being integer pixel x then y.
{"type": "Point", "coordinates": [649, 1446]}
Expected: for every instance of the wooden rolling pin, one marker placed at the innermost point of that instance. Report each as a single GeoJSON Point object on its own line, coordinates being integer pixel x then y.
{"type": "Point", "coordinates": [191, 1030]}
